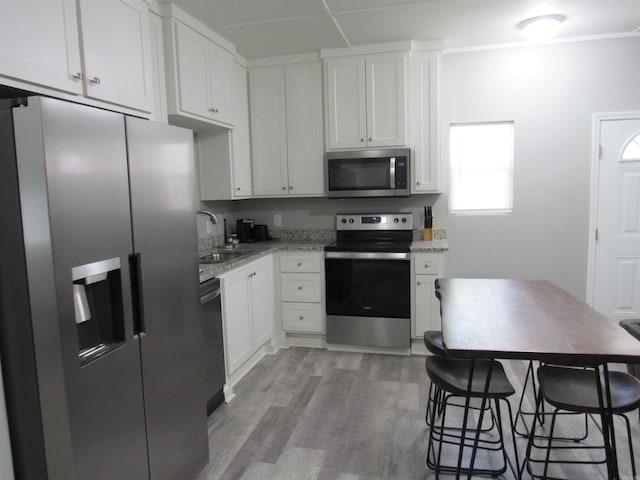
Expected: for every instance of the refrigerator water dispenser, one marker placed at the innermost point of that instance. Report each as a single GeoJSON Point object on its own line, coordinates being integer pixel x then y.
{"type": "Point", "coordinates": [99, 312]}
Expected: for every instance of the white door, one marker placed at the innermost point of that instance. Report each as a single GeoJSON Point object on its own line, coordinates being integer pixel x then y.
{"type": "Point", "coordinates": [427, 305]}
{"type": "Point", "coordinates": [261, 298]}
{"type": "Point", "coordinates": [39, 43]}
{"type": "Point", "coordinates": [193, 73]}
{"type": "Point", "coordinates": [386, 100]}
{"type": "Point", "coordinates": [424, 124]}
{"type": "Point", "coordinates": [616, 280]}
{"type": "Point", "coordinates": [238, 342]}
{"type": "Point", "coordinates": [241, 143]}
{"type": "Point", "coordinates": [116, 47]}
{"type": "Point", "coordinates": [268, 131]}
{"type": "Point", "coordinates": [221, 78]}
{"type": "Point", "coordinates": [305, 147]}
{"type": "Point", "coordinates": [346, 102]}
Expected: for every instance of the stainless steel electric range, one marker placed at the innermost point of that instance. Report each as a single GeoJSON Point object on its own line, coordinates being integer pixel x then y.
{"type": "Point", "coordinates": [367, 281]}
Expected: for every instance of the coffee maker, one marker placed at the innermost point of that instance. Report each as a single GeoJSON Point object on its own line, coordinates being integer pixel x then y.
{"type": "Point", "coordinates": [244, 230]}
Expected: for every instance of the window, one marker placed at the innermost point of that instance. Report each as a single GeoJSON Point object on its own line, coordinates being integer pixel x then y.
{"type": "Point", "coordinates": [481, 160]}
{"type": "Point", "coordinates": [632, 150]}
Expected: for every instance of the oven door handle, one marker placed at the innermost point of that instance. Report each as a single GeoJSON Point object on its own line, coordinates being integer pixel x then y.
{"type": "Point", "coordinates": [369, 255]}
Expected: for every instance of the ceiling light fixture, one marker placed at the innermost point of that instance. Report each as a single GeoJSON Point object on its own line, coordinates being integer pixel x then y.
{"type": "Point", "coordinates": [541, 27]}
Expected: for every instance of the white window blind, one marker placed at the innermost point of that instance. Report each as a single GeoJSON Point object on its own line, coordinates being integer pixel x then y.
{"type": "Point", "coordinates": [481, 161]}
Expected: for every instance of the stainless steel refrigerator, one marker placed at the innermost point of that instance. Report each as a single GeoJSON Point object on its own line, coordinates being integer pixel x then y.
{"type": "Point", "coordinates": [101, 341]}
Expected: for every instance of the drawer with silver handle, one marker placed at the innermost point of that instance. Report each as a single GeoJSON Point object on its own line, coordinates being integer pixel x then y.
{"type": "Point", "coordinates": [300, 262]}
{"type": "Point", "coordinates": [300, 287]}
{"type": "Point", "coordinates": [302, 317]}
{"type": "Point", "coordinates": [425, 263]}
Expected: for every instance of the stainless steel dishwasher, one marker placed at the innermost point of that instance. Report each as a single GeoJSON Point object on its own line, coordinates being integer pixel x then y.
{"type": "Point", "coordinates": [211, 312]}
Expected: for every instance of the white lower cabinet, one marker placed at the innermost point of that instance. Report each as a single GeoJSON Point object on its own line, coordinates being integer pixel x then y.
{"type": "Point", "coordinates": [427, 267]}
{"type": "Point", "coordinates": [247, 311]}
{"type": "Point", "coordinates": [302, 317]}
{"type": "Point", "coordinates": [301, 292]}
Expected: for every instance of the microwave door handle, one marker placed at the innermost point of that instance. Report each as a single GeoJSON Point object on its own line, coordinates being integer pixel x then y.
{"type": "Point", "coordinates": [392, 173]}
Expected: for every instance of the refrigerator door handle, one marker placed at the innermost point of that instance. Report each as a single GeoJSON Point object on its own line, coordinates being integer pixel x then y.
{"type": "Point", "coordinates": [135, 274]}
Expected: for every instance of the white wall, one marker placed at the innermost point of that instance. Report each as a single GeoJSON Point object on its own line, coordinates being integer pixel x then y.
{"type": "Point", "coordinates": [551, 93]}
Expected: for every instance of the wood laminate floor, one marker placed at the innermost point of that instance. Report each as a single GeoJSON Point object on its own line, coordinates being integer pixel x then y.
{"type": "Point", "coordinates": [320, 415]}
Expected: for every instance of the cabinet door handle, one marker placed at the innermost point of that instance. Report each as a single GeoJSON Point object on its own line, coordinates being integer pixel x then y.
{"type": "Point", "coordinates": [417, 183]}
{"type": "Point", "coordinates": [427, 265]}
{"type": "Point", "coordinates": [301, 317]}
{"type": "Point", "coordinates": [78, 76]}
{"type": "Point", "coordinates": [291, 188]}
{"type": "Point", "coordinates": [237, 189]}
{"type": "Point", "coordinates": [284, 188]}
{"type": "Point", "coordinates": [362, 139]}
{"type": "Point", "coordinates": [95, 80]}
{"type": "Point", "coordinates": [419, 283]}
{"type": "Point", "coordinates": [299, 264]}
{"type": "Point", "coordinates": [369, 138]}
{"type": "Point", "coordinates": [300, 287]}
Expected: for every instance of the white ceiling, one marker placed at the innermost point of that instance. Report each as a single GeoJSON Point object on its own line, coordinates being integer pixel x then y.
{"type": "Point", "coordinates": [262, 28]}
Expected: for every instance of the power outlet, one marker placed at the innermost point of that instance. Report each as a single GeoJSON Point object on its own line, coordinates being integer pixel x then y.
{"type": "Point", "coordinates": [277, 220]}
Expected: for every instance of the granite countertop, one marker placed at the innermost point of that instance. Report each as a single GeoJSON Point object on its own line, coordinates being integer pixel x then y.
{"type": "Point", "coordinates": [259, 249]}
{"type": "Point", "coordinates": [437, 245]}
{"type": "Point", "coordinates": [254, 251]}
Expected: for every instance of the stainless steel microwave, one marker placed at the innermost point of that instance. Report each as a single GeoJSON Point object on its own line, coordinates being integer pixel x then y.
{"type": "Point", "coordinates": [368, 173]}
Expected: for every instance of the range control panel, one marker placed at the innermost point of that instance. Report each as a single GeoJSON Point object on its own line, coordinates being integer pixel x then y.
{"type": "Point", "coordinates": [379, 221]}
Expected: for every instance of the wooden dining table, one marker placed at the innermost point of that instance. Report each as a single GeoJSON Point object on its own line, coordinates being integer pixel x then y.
{"type": "Point", "coordinates": [532, 320]}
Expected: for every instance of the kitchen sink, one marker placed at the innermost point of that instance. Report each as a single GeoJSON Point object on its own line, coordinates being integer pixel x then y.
{"type": "Point", "coordinates": [221, 257]}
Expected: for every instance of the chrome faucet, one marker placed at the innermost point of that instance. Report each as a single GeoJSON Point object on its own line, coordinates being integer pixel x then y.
{"type": "Point", "coordinates": [212, 217]}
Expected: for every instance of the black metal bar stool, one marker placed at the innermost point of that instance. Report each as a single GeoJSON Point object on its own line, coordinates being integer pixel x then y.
{"type": "Point", "coordinates": [522, 413]}
{"type": "Point", "coordinates": [450, 378]}
{"type": "Point", "coordinates": [578, 390]}
{"type": "Point", "coordinates": [632, 326]}
{"type": "Point", "coordinates": [435, 344]}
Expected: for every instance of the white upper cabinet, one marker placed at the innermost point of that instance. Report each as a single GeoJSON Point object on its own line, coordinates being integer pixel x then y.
{"type": "Point", "coordinates": [192, 72]}
{"type": "Point", "coordinates": [200, 77]}
{"type": "Point", "coordinates": [116, 52]}
{"type": "Point", "coordinates": [367, 101]}
{"type": "Point", "coordinates": [40, 44]}
{"type": "Point", "coordinates": [268, 131]}
{"type": "Point", "coordinates": [347, 105]}
{"type": "Point", "coordinates": [424, 121]}
{"type": "Point", "coordinates": [386, 99]}
{"type": "Point", "coordinates": [97, 49]}
{"type": "Point", "coordinates": [241, 142]}
{"type": "Point", "coordinates": [225, 155]}
{"type": "Point", "coordinates": [305, 148]}
{"type": "Point", "coordinates": [221, 80]}
{"type": "Point", "coordinates": [159, 113]}
{"type": "Point", "coordinates": [286, 130]}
